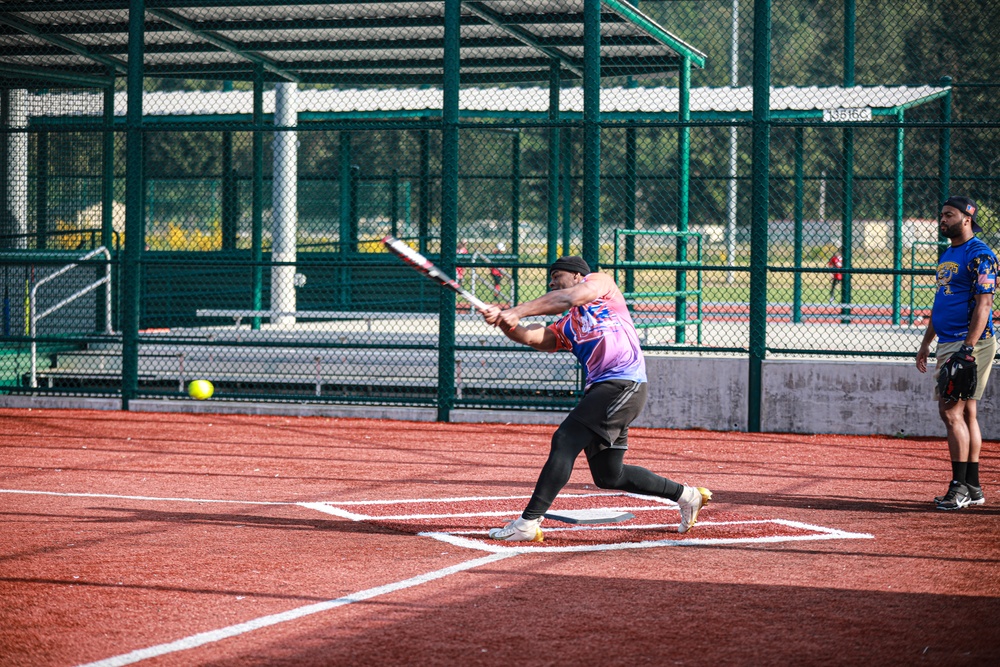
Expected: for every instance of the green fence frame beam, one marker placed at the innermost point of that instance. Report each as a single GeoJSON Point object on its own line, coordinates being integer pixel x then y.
{"type": "Point", "coordinates": [552, 235]}
{"type": "Point", "coordinates": [897, 227]}
{"type": "Point", "coordinates": [223, 43]}
{"type": "Point", "coordinates": [135, 214]}
{"type": "Point", "coordinates": [107, 202]}
{"type": "Point", "coordinates": [683, 192]}
{"type": "Point", "coordinates": [944, 145]}
{"type": "Point", "coordinates": [230, 197]}
{"type": "Point", "coordinates": [41, 189]}
{"type": "Point", "coordinates": [55, 76]}
{"type": "Point", "coordinates": [65, 43]}
{"type": "Point", "coordinates": [633, 15]}
{"type": "Point", "coordinates": [631, 183]}
{"type": "Point", "coordinates": [515, 209]}
{"type": "Point", "coordinates": [760, 179]}
{"type": "Point", "coordinates": [257, 195]}
{"type": "Point", "coordinates": [798, 217]}
{"type": "Point", "coordinates": [566, 187]}
{"type": "Point", "coordinates": [449, 205]}
{"type": "Point", "coordinates": [521, 35]}
{"type": "Point", "coordinates": [424, 216]}
{"type": "Point", "coordinates": [591, 191]}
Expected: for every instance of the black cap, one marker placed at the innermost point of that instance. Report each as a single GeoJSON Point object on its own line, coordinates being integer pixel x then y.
{"type": "Point", "coordinates": [570, 263]}
{"type": "Point", "coordinates": [966, 206]}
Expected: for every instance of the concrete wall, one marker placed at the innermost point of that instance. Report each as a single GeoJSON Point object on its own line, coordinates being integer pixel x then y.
{"type": "Point", "coordinates": [854, 397]}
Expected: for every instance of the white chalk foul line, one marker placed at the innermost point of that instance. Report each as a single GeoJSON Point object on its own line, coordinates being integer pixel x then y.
{"type": "Point", "coordinates": [265, 621]}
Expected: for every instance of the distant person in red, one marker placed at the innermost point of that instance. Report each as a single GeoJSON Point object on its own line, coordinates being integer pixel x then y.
{"type": "Point", "coordinates": [460, 270]}
{"type": "Point", "coordinates": [496, 271]}
{"type": "Point", "coordinates": [836, 262]}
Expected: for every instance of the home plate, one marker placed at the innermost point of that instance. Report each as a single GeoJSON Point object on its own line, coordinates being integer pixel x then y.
{"type": "Point", "coordinates": [589, 516]}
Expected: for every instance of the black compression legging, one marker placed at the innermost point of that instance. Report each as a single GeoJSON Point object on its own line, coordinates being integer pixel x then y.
{"type": "Point", "coordinates": [607, 468]}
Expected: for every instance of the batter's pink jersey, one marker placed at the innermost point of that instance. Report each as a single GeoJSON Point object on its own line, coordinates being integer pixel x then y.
{"type": "Point", "coordinates": [602, 336]}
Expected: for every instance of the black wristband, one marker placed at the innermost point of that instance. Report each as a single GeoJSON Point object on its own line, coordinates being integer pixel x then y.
{"type": "Point", "coordinates": [967, 349]}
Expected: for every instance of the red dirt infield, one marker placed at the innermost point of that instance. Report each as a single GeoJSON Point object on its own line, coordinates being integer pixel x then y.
{"type": "Point", "coordinates": [174, 539]}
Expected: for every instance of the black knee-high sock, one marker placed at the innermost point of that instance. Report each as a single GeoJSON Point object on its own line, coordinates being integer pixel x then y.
{"type": "Point", "coordinates": [959, 469]}
{"type": "Point", "coordinates": [972, 473]}
{"type": "Point", "coordinates": [610, 473]}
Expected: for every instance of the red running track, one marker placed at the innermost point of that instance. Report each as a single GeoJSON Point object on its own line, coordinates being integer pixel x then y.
{"type": "Point", "coordinates": [171, 539]}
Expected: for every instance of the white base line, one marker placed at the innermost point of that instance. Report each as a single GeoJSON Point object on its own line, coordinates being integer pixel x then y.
{"type": "Point", "coordinates": [249, 626]}
{"type": "Point", "coordinates": [819, 533]}
{"type": "Point", "coordinates": [336, 510]}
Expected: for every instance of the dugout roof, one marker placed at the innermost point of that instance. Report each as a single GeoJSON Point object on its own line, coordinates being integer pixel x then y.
{"type": "Point", "coordinates": [341, 42]}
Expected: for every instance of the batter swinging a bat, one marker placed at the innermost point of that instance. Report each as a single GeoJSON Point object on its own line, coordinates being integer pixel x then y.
{"type": "Point", "coordinates": [598, 330]}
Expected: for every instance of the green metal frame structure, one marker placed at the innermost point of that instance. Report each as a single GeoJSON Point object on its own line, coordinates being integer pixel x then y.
{"type": "Point", "coordinates": [121, 43]}
{"type": "Point", "coordinates": [216, 40]}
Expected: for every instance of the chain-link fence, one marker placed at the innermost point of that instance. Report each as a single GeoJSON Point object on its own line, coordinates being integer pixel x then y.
{"type": "Point", "coordinates": [242, 200]}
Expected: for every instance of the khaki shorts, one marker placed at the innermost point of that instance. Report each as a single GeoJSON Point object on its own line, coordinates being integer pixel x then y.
{"type": "Point", "coordinates": [983, 353]}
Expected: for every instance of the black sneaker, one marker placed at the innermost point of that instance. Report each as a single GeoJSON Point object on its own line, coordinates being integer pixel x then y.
{"type": "Point", "coordinates": [956, 499]}
{"type": "Point", "coordinates": [976, 496]}
{"type": "Point", "coordinates": [948, 496]}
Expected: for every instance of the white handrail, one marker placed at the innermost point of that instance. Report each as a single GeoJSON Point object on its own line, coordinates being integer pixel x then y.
{"type": "Point", "coordinates": [33, 317]}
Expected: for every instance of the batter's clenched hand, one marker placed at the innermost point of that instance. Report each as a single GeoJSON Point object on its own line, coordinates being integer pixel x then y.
{"type": "Point", "coordinates": [508, 320]}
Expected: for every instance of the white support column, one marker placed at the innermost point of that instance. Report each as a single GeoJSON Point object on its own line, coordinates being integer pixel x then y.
{"type": "Point", "coordinates": [16, 196]}
{"type": "Point", "coordinates": [284, 193]}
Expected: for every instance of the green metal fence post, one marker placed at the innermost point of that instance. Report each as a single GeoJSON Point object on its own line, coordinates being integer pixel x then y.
{"type": "Point", "coordinates": [108, 199]}
{"type": "Point", "coordinates": [552, 235]}
{"type": "Point", "coordinates": [229, 194]}
{"type": "Point", "coordinates": [449, 206]}
{"type": "Point", "coordinates": [847, 205]}
{"type": "Point", "coordinates": [760, 178]}
{"type": "Point", "coordinates": [897, 227]}
{"type": "Point", "coordinates": [566, 162]}
{"type": "Point", "coordinates": [944, 146]}
{"type": "Point", "coordinates": [108, 170]}
{"type": "Point", "coordinates": [257, 194]}
{"type": "Point", "coordinates": [345, 192]}
{"type": "Point", "coordinates": [797, 241]}
{"type": "Point", "coordinates": [683, 193]}
{"type": "Point", "coordinates": [41, 190]}
{"type": "Point", "coordinates": [135, 223]}
{"type": "Point", "coordinates": [354, 206]}
{"type": "Point", "coordinates": [515, 207]}
{"type": "Point", "coordinates": [424, 216]}
{"type": "Point", "coordinates": [631, 183]}
{"type": "Point", "coordinates": [591, 132]}
{"type": "Point", "coordinates": [394, 203]}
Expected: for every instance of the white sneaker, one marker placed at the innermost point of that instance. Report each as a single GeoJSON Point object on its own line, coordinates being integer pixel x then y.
{"type": "Point", "coordinates": [691, 501]}
{"type": "Point", "coordinates": [519, 530]}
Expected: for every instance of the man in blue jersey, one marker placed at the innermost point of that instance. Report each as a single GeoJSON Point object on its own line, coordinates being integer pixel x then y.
{"type": "Point", "coordinates": [962, 321]}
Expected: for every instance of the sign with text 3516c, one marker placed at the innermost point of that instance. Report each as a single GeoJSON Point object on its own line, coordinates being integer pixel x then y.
{"type": "Point", "coordinates": [851, 115]}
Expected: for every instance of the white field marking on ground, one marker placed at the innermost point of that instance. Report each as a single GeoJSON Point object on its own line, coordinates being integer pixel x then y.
{"type": "Point", "coordinates": [212, 636]}
{"type": "Point", "coordinates": [328, 508]}
{"type": "Point", "coordinates": [335, 507]}
{"type": "Point", "coordinates": [465, 499]}
{"type": "Point", "coordinates": [147, 498]}
{"type": "Point", "coordinates": [492, 546]}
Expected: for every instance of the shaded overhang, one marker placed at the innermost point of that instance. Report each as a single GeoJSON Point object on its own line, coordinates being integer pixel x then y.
{"type": "Point", "coordinates": [342, 43]}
